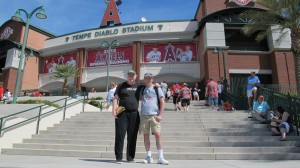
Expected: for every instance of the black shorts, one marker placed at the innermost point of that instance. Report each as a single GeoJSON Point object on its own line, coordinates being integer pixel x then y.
{"type": "Point", "coordinates": [175, 99]}
{"type": "Point", "coordinates": [185, 102]}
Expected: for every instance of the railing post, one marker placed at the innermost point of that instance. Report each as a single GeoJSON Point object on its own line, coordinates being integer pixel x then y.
{"type": "Point", "coordinates": [293, 112]}
{"type": "Point", "coordinates": [83, 103]}
{"type": "Point", "coordinates": [65, 108]}
{"type": "Point", "coordinates": [38, 121]}
{"type": "Point", "coordinates": [1, 122]}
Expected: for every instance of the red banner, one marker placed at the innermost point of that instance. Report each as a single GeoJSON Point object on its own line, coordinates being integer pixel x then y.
{"type": "Point", "coordinates": [51, 63]}
{"type": "Point", "coordinates": [120, 55]}
{"type": "Point", "coordinates": [177, 52]}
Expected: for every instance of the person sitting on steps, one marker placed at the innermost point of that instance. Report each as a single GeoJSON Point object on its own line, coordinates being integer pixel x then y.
{"type": "Point", "coordinates": [285, 124]}
{"type": "Point", "coordinates": [261, 110]}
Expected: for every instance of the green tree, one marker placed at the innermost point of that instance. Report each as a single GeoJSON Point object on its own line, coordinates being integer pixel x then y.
{"type": "Point", "coordinates": [65, 71]}
{"type": "Point", "coordinates": [282, 15]}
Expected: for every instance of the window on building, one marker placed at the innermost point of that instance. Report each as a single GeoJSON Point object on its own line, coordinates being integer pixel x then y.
{"type": "Point", "coordinates": [236, 40]}
{"type": "Point", "coordinates": [2, 62]}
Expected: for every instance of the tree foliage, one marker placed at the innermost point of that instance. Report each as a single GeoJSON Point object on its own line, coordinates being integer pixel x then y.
{"type": "Point", "coordinates": [283, 15]}
{"type": "Point", "coordinates": [65, 71]}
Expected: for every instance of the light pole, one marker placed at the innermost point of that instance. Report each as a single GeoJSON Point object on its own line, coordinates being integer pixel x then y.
{"type": "Point", "coordinates": [216, 51]}
{"type": "Point", "coordinates": [103, 45]}
{"type": "Point", "coordinates": [40, 15]}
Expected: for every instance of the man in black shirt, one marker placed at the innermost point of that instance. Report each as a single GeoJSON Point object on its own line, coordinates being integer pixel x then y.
{"type": "Point", "coordinates": [127, 121]}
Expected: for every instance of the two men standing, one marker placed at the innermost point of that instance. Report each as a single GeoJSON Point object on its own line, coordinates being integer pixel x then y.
{"type": "Point", "coordinates": [152, 109]}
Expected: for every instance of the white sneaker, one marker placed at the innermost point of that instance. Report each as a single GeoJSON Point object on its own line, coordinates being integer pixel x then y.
{"type": "Point", "coordinates": [148, 159]}
{"type": "Point", "coordinates": [118, 162]}
{"type": "Point", "coordinates": [162, 161]}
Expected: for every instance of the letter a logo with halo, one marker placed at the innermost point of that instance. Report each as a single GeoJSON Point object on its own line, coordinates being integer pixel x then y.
{"type": "Point", "coordinates": [241, 2]}
{"type": "Point", "coordinates": [111, 15]}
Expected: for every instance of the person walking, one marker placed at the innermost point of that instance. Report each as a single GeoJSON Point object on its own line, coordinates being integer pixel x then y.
{"type": "Point", "coordinates": [127, 121]}
{"type": "Point", "coordinates": [212, 92]}
{"type": "Point", "coordinates": [164, 87]}
{"type": "Point", "coordinates": [110, 94]}
{"type": "Point", "coordinates": [220, 90]}
{"type": "Point", "coordinates": [185, 96]}
{"type": "Point", "coordinates": [152, 110]}
{"type": "Point", "coordinates": [175, 90]}
{"type": "Point", "coordinates": [195, 93]}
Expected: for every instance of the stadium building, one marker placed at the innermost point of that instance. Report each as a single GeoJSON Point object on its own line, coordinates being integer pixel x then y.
{"type": "Point", "coordinates": [208, 45]}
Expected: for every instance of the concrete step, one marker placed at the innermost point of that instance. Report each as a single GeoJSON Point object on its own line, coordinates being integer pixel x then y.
{"type": "Point", "coordinates": [111, 137]}
{"type": "Point", "coordinates": [68, 141]}
{"type": "Point", "coordinates": [100, 125]}
{"type": "Point", "coordinates": [76, 147]}
{"type": "Point", "coordinates": [104, 132]}
{"type": "Point", "coordinates": [96, 129]}
{"type": "Point", "coordinates": [110, 148]}
{"type": "Point", "coordinates": [167, 141]}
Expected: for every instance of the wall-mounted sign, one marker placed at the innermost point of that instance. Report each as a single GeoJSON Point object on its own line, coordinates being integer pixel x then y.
{"type": "Point", "coordinates": [171, 52]}
{"type": "Point", "coordinates": [241, 2]}
{"type": "Point", "coordinates": [120, 55]}
{"type": "Point", "coordinates": [6, 33]}
{"type": "Point", "coordinates": [52, 62]}
{"type": "Point", "coordinates": [115, 31]}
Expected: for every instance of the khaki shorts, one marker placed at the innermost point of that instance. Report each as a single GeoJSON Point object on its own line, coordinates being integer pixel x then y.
{"type": "Point", "coordinates": [148, 122]}
{"type": "Point", "coordinates": [250, 92]}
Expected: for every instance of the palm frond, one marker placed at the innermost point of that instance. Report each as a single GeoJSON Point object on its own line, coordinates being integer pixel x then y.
{"type": "Point", "coordinates": [65, 71]}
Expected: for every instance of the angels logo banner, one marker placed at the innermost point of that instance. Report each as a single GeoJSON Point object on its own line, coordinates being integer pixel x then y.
{"type": "Point", "coordinates": [172, 52]}
{"type": "Point", "coordinates": [120, 55]}
{"type": "Point", "coordinates": [52, 62]}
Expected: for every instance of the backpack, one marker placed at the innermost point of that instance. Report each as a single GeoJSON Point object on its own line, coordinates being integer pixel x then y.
{"type": "Point", "coordinates": [142, 88]}
{"type": "Point", "coordinates": [176, 90]}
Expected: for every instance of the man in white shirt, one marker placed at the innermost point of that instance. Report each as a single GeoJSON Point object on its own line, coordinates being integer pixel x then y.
{"type": "Point", "coordinates": [71, 62]}
{"type": "Point", "coordinates": [7, 94]}
{"type": "Point", "coordinates": [154, 55]}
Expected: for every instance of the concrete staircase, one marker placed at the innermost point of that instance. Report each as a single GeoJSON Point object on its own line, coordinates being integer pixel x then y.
{"type": "Point", "coordinates": [198, 134]}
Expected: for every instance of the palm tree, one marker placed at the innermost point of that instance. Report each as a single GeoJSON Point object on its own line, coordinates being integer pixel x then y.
{"type": "Point", "coordinates": [65, 71]}
{"type": "Point", "coordinates": [283, 14]}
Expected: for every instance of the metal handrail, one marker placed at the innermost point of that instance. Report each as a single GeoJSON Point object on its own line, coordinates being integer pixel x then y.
{"type": "Point", "coordinates": [38, 117]}
{"type": "Point", "coordinates": [284, 89]}
{"type": "Point", "coordinates": [290, 103]}
{"type": "Point", "coordinates": [239, 102]}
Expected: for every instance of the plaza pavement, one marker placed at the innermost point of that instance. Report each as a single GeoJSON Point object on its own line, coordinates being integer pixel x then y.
{"type": "Point", "coordinates": [20, 161]}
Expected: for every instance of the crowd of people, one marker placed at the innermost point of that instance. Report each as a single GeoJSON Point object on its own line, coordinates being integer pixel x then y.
{"type": "Point", "coordinates": [7, 94]}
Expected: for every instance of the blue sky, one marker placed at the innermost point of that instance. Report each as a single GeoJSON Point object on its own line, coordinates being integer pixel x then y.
{"type": "Point", "coordinates": [67, 16]}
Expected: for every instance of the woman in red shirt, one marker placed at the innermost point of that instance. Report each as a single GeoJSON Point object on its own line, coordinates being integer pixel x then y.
{"type": "Point", "coordinates": [1, 91]}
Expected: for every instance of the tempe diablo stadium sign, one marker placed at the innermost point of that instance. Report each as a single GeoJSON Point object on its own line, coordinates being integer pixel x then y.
{"type": "Point", "coordinates": [241, 2]}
